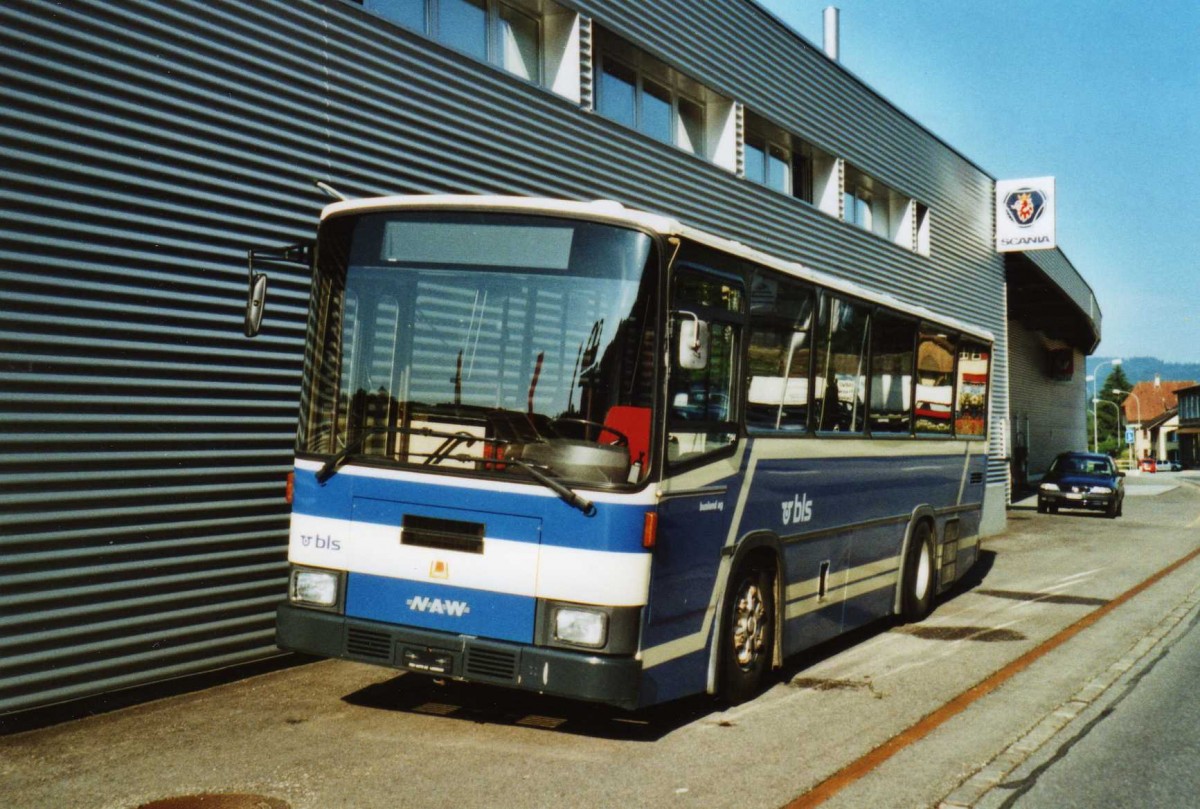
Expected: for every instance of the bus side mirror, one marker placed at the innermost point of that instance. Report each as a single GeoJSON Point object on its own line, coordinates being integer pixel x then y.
{"type": "Point", "coordinates": [693, 342]}
{"type": "Point", "coordinates": [256, 300]}
{"type": "Point", "coordinates": [256, 295]}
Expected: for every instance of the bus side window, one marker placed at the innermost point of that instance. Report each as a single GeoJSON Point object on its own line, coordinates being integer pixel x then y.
{"type": "Point", "coordinates": [780, 353]}
{"type": "Point", "coordinates": [841, 366]}
{"type": "Point", "coordinates": [701, 401]}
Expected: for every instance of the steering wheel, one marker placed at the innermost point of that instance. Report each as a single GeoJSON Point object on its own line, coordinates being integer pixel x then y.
{"type": "Point", "coordinates": [622, 439]}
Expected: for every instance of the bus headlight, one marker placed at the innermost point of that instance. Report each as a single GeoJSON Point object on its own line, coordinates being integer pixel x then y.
{"type": "Point", "coordinates": [580, 627]}
{"type": "Point", "coordinates": [1049, 487]}
{"type": "Point", "coordinates": [318, 588]}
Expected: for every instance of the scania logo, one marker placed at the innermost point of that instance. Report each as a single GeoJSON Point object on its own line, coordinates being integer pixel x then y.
{"type": "Point", "coordinates": [1025, 206]}
{"type": "Point", "coordinates": [438, 606]}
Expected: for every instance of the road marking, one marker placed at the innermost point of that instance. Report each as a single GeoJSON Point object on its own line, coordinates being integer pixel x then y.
{"type": "Point", "coordinates": [858, 769]}
{"type": "Point", "coordinates": [1077, 576]}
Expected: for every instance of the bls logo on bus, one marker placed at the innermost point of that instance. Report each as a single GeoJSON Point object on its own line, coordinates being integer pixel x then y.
{"type": "Point", "coordinates": [321, 543]}
{"type": "Point", "coordinates": [797, 510]}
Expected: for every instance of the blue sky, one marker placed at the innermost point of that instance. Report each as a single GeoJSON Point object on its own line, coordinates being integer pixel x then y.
{"type": "Point", "coordinates": [1102, 95]}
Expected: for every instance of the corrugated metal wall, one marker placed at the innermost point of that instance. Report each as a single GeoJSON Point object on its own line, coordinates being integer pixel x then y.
{"type": "Point", "coordinates": [1048, 416]}
{"type": "Point", "coordinates": [146, 144]}
{"type": "Point", "coordinates": [144, 441]}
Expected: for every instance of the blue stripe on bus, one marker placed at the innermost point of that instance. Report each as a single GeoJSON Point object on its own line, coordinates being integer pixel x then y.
{"type": "Point", "coordinates": [845, 491]}
{"type": "Point", "coordinates": [506, 514]}
{"type": "Point", "coordinates": [441, 607]}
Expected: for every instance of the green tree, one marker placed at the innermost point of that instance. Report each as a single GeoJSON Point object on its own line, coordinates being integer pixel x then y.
{"type": "Point", "coordinates": [1112, 436]}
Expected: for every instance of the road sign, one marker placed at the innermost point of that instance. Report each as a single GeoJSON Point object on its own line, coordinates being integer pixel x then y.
{"type": "Point", "coordinates": [1128, 436]}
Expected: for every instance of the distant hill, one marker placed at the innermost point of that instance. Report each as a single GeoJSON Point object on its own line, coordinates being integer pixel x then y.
{"type": "Point", "coordinates": [1143, 369]}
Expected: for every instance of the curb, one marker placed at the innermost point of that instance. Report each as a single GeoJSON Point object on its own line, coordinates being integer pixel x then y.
{"type": "Point", "coordinates": [970, 792]}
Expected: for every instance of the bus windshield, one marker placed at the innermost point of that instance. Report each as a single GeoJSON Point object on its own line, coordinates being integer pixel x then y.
{"type": "Point", "coordinates": [457, 340]}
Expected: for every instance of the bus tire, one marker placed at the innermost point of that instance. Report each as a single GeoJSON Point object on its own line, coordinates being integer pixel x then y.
{"type": "Point", "coordinates": [918, 583]}
{"type": "Point", "coordinates": [748, 637]}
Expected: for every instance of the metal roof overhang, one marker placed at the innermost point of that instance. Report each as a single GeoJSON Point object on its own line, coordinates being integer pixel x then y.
{"type": "Point", "coordinates": [1046, 293]}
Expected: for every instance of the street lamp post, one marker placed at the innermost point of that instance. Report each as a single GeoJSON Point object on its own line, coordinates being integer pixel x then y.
{"type": "Point", "coordinates": [1096, 384]}
{"type": "Point", "coordinates": [1138, 402]}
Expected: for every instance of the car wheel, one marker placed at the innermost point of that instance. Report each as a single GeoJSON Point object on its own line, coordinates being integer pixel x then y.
{"type": "Point", "coordinates": [747, 641]}
{"type": "Point", "coordinates": [916, 598]}
{"type": "Point", "coordinates": [1113, 510]}
{"type": "Point", "coordinates": [1041, 507]}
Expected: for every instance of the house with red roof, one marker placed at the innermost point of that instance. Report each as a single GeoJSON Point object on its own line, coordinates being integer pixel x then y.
{"type": "Point", "coordinates": [1148, 407]}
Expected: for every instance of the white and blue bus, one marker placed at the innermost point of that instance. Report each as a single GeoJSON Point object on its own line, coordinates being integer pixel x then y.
{"type": "Point", "coordinates": [591, 452]}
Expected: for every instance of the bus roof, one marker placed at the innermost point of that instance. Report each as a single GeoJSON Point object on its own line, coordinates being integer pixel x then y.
{"type": "Point", "coordinates": [612, 212]}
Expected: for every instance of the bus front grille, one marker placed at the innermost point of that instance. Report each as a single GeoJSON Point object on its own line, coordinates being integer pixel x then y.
{"type": "Point", "coordinates": [367, 644]}
{"type": "Point", "coordinates": [492, 664]}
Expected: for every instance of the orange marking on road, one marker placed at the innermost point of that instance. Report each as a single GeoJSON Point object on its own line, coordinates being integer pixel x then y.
{"type": "Point", "coordinates": [855, 770]}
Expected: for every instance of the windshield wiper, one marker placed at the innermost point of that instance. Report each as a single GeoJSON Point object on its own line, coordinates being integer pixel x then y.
{"type": "Point", "coordinates": [572, 498]}
{"type": "Point", "coordinates": [452, 442]}
{"type": "Point", "coordinates": [331, 466]}
{"type": "Point", "coordinates": [442, 453]}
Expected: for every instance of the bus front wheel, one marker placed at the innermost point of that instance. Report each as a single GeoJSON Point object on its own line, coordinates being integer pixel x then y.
{"type": "Point", "coordinates": [916, 599]}
{"type": "Point", "coordinates": [749, 635]}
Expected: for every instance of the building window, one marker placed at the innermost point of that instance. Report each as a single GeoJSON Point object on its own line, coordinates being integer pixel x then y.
{"type": "Point", "coordinates": [532, 40]}
{"type": "Point", "coordinates": [781, 161]}
{"type": "Point", "coordinates": [657, 113]}
{"type": "Point", "coordinates": [768, 164]}
{"type": "Point", "coordinates": [630, 97]}
{"type": "Point", "coordinates": [412, 14]}
{"type": "Point", "coordinates": [856, 207]}
{"type": "Point", "coordinates": [873, 205]}
{"type": "Point", "coordinates": [462, 24]}
{"type": "Point", "coordinates": [520, 42]}
{"type": "Point", "coordinates": [643, 93]}
{"type": "Point", "coordinates": [767, 155]}
{"type": "Point", "coordinates": [616, 90]}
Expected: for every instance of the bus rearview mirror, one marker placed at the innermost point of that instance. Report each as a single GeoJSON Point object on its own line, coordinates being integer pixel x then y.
{"type": "Point", "coordinates": [693, 342]}
{"type": "Point", "coordinates": [256, 300]}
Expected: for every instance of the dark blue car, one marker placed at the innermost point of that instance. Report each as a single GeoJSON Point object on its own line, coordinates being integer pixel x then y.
{"type": "Point", "coordinates": [1082, 480]}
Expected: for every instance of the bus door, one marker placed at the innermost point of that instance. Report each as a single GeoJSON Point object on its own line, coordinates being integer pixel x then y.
{"type": "Point", "coordinates": [702, 480]}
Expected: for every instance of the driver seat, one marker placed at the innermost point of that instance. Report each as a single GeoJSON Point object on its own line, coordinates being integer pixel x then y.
{"type": "Point", "coordinates": [634, 422]}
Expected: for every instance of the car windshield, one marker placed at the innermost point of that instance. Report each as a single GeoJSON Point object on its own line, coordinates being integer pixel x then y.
{"type": "Point", "coordinates": [439, 338]}
{"type": "Point", "coordinates": [1088, 467]}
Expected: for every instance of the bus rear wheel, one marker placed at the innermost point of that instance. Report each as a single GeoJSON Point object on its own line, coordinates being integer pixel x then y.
{"type": "Point", "coordinates": [748, 639]}
{"type": "Point", "coordinates": [916, 597]}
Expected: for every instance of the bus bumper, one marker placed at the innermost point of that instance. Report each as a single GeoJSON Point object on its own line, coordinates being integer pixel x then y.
{"type": "Point", "coordinates": [613, 680]}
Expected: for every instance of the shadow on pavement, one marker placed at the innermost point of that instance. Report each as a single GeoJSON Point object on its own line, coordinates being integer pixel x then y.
{"type": "Point", "coordinates": [50, 715]}
{"type": "Point", "coordinates": [493, 705]}
{"type": "Point", "coordinates": [476, 702]}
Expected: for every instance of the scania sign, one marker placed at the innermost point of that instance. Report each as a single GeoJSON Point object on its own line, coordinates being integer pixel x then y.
{"type": "Point", "coordinates": [1025, 214]}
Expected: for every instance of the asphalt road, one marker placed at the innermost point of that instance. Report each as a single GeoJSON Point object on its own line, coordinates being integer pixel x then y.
{"type": "Point", "coordinates": [334, 734]}
{"type": "Point", "coordinates": [1137, 747]}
